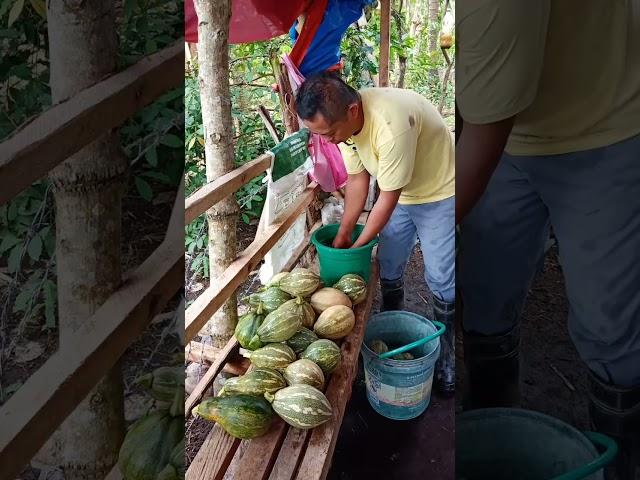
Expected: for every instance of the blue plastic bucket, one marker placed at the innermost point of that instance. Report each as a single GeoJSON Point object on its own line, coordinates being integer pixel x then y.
{"type": "Point", "coordinates": [510, 443]}
{"type": "Point", "coordinates": [400, 389]}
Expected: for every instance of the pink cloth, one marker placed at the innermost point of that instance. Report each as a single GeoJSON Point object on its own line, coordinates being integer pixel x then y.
{"type": "Point", "coordinates": [328, 166]}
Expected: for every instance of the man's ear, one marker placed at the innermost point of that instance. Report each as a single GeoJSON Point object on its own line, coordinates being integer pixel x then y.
{"type": "Point", "coordinates": [353, 110]}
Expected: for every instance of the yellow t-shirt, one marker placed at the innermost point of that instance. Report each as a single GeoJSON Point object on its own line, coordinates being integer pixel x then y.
{"type": "Point", "coordinates": [405, 144]}
{"type": "Point", "coordinates": [568, 69]}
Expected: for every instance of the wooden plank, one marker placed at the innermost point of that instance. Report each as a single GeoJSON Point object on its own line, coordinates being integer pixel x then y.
{"type": "Point", "coordinates": [319, 451]}
{"type": "Point", "coordinates": [31, 152]}
{"type": "Point", "coordinates": [175, 228]}
{"type": "Point", "coordinates": [208, 377]}
{"type": "Point", "coordinates": [290, 455]}
{"type": "Point", "coordinates": [261, 453]}
{"type": "Point", "coordinates": [214, 456]}
{"type": "Point", "coordinates": [230, 474]}
{"type": "Point", "coordinates": [214, 297]}
{"type": "Point", "coordinates": [197, 352]}
{"type": "Point", "coordinates": [385, 42]}
{"type": "Point", "coordinates": [304, 246]}
{"type": "Point", "coordinates": [211, 193]}
{"type": "Point", "coordinates": [34, 412]}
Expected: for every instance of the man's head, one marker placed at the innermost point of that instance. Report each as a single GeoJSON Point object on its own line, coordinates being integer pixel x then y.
{"type": "Point", "coordinates": [329, 107]}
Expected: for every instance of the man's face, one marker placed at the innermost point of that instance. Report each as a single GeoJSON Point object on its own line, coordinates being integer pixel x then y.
{"type": "Point", "coordinates": [334, 132]}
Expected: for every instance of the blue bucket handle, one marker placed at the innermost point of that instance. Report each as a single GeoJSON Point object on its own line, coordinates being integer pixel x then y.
{"type": "Point", "coordinates": [441, 329]}
{"type": "Point", "coordinates": [600, 462]}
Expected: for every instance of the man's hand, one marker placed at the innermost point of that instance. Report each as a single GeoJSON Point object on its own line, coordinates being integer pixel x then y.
{"type": "Point", "coordinates": [342, 240]}
{"type": "Point", "coordinates": [354, 200]}
{"type": "Point", "coordinates": [378, 217]}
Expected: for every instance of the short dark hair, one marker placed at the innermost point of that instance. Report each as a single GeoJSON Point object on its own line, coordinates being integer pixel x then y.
{"type": "Point", "coordinates": [325, 93]}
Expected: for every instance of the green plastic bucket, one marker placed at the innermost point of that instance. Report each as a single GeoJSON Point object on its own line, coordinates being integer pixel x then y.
{"type": "Point", "coordinates": [511, 443]}
{"type": "Point", "coordinates": [336, 262]}
{"type": "Point", "coordinates": [400, 389]}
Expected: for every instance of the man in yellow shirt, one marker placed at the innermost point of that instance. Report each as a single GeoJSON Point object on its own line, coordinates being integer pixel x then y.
{"type": "Point", "coordinates": [398, 137]}
{"type": "Point", "coordinates": [549, 101]}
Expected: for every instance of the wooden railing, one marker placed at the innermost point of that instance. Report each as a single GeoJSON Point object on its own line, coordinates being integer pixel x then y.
{"type": "Point", "coordinates": [34, 412]}
{"type": "Point", "coordinates": [219, 291]}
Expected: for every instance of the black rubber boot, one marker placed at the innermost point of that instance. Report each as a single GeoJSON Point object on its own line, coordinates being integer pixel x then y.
{"type": "Point", "coordinates": [445, 370]}
{"type": "Point", "coordinates": [615, 411]}
{"type": "Point", "coordinates": [392, 294]}
{"type": "Point", "coordinates": [492, 370]}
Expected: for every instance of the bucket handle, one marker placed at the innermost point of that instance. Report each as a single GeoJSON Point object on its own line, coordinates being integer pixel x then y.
{"type": "Point", "coordinates": [604, 459]}
{"type": "Point", "coordinates": [441, 329]}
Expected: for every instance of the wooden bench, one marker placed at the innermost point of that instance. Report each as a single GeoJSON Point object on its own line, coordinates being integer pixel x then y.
{"type": "Point", "coordinates": [285, 453]}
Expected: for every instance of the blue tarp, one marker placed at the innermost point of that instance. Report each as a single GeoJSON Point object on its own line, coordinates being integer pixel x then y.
{"type": "Point", "coordinates": [324, 51]}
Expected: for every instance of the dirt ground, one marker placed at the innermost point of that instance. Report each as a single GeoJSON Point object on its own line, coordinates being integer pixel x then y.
{"type": "Point", "coordinates": [371, 446]}
{"type": "Point", "coordinates": [547, 352]}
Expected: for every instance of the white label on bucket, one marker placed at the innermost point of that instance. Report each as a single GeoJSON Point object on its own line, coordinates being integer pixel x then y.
{"type": "Point", "coordinates": [400, 396]}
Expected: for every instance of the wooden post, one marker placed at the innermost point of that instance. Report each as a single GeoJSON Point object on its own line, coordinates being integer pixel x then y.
{"type": "Point", "coordinates": [213, 59]}
{"type": "Point", "coordinates": [385, 39]}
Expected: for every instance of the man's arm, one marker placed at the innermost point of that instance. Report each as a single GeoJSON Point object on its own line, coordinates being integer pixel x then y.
{"type": "Point", "coordinates": [477, 154]}
{"type": "Point", "coordinates": [501, 45]}
{"type": "Point", "coordinates": [354, 199]}
{"type": "Point", "coordinates": [378, 217]}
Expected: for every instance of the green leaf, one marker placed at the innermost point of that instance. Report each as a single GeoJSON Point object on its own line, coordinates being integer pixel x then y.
{"type": "Point", "coordinates": [40, 7]}
{"type": "Point", "coordinates": [144, 189]}
{"type": "Point", "coordinates": [50, 244]}
{"type": "Point", "coordinates": [245, 218]}
{"type": "Point", "coordinates": [8, 241]}
{"type": "Point", "coordinates": [4, 8]}
{"type": "Point", "coordinates": [50, 300]}
{"type": "Point", "coordinates": [161, 177]}
{"type": "Point", "coordinates": [150, 46]}
{"type": "Point", "coordinates": [23, 300]}
{"type": "Point", "coordinates": [172, 141]}
{"type": "Point", "coordinates": [35, 248]}
{"type": "Point", "coordinates": [151, 155]}
{"type": "Point", "coordinates": [129, 8]}
{"type": "Point", "coordinates": [6, 392]}
{"type": "Point", "coordinates": [13, 211]}
{"type": "Point", "coordinates": [15, 12]}
{"type": "Point", "coordinates": [15, 257]}
{"type": "Point", "coordinates": [196, 263]}
{"type": "Point", "coordinates": [21, 71]}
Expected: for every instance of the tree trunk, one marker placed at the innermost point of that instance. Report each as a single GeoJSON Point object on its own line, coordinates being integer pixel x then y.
{"type": "Point", "coordinates": [88, 190]}
{"type": "Point", "coordinates": [416, 22]}
{"type": "Point", "coordinates": [215, 98]}
{"type": "Point", "coordinates": [402, 59]}
{"type": "Point", "coordinates": [385, 40]}
{"type": "Point", "coordinates": [285, 95]}
{"type": "Point", "coordinates": [434, 29]}
{"type": "Point", "coordinates": [434, 24]}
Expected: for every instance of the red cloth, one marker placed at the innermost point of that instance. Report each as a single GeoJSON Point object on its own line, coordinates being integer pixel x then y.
{"type": "Point", "coordinates": [252, 20]}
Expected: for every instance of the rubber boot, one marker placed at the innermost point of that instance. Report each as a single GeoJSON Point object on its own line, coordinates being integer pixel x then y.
{"type": "Point", "coordinates": [445, 369]}
{"type": "Point", "coordinates": [615, 411]}
{"type": "Point", "coordinates": [392, 294]}
{"type": "Point", "coordinates": [492, 370]}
